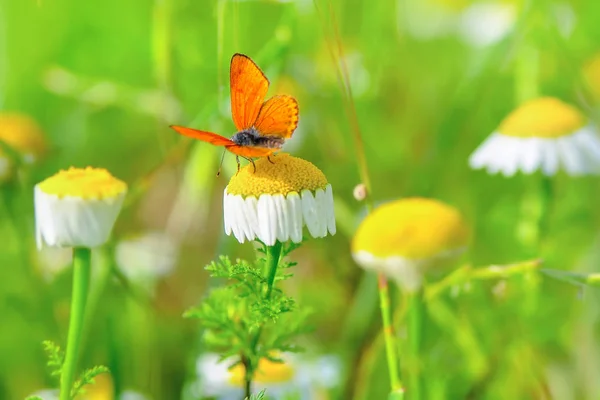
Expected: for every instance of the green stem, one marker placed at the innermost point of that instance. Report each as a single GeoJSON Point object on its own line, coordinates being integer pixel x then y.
{"type": "Point", "coordinates": [391, 347]}
{"type": "Point", "coordinates": [272, 262]}
{"type": "Point", "coordinates": [415, 323]}
{"type": "Point", "coordinates": [81, 280]}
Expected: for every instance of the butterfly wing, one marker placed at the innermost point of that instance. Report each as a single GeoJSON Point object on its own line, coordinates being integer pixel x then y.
{"type": "Point", "coordinates": [250, 152]}
{"type": "Point", "coordinates": [208, 137]}
{"type": "Point", "coordinates": [248, 90]}
{"type": "Point", "coordinates": [278, 116]}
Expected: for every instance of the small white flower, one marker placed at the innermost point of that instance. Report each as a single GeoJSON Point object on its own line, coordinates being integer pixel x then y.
{"type": "Point", "coordinates": [297, 377]}
{"type": "Point", "coordinates": [485, 23]}
{"type": "Point", "coordinates": [544, 134]}
{"type": "Point", "coordinates": [77, 208]}
{"type": "Point", "coordinates": [147, 257]}
{"type": "Point", "coordinates": [277, 201]}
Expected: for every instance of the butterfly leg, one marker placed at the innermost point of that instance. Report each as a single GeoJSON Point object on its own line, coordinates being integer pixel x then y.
{"type": "Point", "coordinates": [269, 158]}
{"type": "Point", "coordinates": [237, 159]}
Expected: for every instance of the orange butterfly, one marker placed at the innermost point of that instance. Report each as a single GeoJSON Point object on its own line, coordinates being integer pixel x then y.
{"type": "Point", "coordinates": [262, 125]}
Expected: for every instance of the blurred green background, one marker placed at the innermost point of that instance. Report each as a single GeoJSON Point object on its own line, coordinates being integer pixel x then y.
{"type": "Point", "coordinates": [430, 80]}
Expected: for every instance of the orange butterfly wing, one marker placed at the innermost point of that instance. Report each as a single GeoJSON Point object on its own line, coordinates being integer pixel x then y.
{"type": "Point", "coordinates": [278, 116]}
{"type": "Point", "coordinates": [248, 90]}
{"type": "Point", "coordinates": [249, 152]}
{"type": "Point", "coordinates": [208, 137]}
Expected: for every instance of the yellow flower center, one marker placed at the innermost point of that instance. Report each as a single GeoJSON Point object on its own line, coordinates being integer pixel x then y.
{"type": "Point", "coordinates": [414, 228]}
{"type": "Point", "coordinates": [85, 183]}
{"type": "Point", "coordinates": [545, 117]}
{"type": "Point", "coordinates": [283, 175]}
{"type": "Point", "coordinates": [22, 134]}
{"type": "Point", "coordinates": [268, 372]}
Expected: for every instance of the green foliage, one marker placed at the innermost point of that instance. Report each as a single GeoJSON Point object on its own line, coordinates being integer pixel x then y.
{"type": "Point", "coordinates": [258, 396]}
{"type": "Point", "coordinates": [245, 318]}
{"type": "Point", "coordinates": [56, 359]}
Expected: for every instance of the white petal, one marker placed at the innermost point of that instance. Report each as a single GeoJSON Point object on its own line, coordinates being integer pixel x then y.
{"type": "Point", "coordinates": [237, 217]}
{"type": "Point", "coordinates": [330, 210]}
{"type": "Point", "coordinates": [227, 212]}
{"type": "Point", "coordinates": [282, 213]}
{"type": "Point", "coordinates": [73, 221]}
{"type": "Point", "coordinates": [267, 219]}
{"type": "Point", "coordinates": [510, 155]}
{"type": "Point", "coordinates": [250, 204]}
{"type": "Point", "coordinates": [321, 203]}
{"type": "Point", "coordinates": [570, 156]}
{"type": "Point", "coordinates": [589, 146]}
{"type": "Point", "coordinates": [295, 212]}
{"type": "Point", "coordinates": [480, 157]}
{"type": "Point", "coordinates": [549, 157]}
{"type": "Point", "coordinates": [310, 213]}
{"type": "Point", "coordinates": [531, 154]}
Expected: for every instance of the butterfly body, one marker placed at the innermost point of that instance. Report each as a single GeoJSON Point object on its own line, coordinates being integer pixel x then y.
{"type": "Point", "coordinates": [252, 138]}
{"type": "Point", "coordinates": [263, 126]}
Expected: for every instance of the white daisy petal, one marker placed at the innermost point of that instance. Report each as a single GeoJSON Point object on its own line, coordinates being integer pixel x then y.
{"type": "Point", "coordinates": [250, 205]}
{"type": "Point", "coordinates": [531, 155]}
{"type": "Point", "coordinates": [310, 214]}
{"type": "Point", "coordinates": [550, 161]}
{"type": "Point", "coordinates": [227, 210]}
{"type": "Point", "coordinates": [282, 213]}
{"type": "Point", "coordinates": [267, 219]}
{"type": "Point", "coordinates": [570, 157]}
{"type": "Point", "coordinates": [479, 158]}
{"type": "Point", "coordinates": [295, 222]}
{"type": "Point", "coordinates": [330, 211]}
{"type": "Point", "coordinates": [589, 147]}
{"type": "Point", "coordinates": [321, 203]}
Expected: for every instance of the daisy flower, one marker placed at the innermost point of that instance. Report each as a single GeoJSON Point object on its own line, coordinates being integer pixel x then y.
{"type": "Point", "coordinates": [23, 136]}
{"type": "Point", "coordinates": [543, 134]}
{"type": "Point", "coordinates": [294, 378]}
{"type": "Point", "coordinates": [277, 200]}
{"type": "Point", "coordinates": [405, 238]}
{"type": "Point", "coordinates": [77, 207]}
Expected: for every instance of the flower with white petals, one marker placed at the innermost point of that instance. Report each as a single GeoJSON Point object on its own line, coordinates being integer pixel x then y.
{"type": "Point", "coordinates": [543, 134]}
{"type": "Point", "coordinates": [295, 377]}
{"type": "Point", "coordinates": [77, 207]}
{"type": "Point", "coordinates": [406, 238]}
{"type": "Point", "coordinates": [277, 200]}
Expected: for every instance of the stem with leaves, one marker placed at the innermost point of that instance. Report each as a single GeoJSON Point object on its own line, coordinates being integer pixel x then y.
{"type": "Point", "coordinates": [81, 280]}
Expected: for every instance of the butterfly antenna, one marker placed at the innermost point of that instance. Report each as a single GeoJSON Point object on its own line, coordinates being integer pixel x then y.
{"type": "Point", "coordinates": [221, 163]}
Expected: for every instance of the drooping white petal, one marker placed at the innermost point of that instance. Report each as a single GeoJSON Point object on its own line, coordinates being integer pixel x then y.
{"type": "Point", "coordinates": [330, 210]}
{"type": "Point", "coordinates": [267, 219]}
{"type": "Point", "coordinates": [479, 158]}
{"type": "Point", "coordinates": [570, 156]}
{"type": "Point", "coordinates": [238, 220]}
{"type": "Point", "coordinates": [550, 158]}
{"type": "Point", "coordinates": [227, 211]}
{"type": "Point", "coordinates": [295, 213]}
{"type": "Point", "coordinates": [531, 154]}
{"type": "Point", "coordinates": [588, 144]}
{"type": "Point", "coordinates": [70, 221]}
{"type": "Point", "coordinates": [250, 205]}
{"type": "Point", "coordinates": [282, 217]}
{"type": "Point", "coordinates": [310, 213]}
{"type": "Point", "coordinates": [506, 156]}
{"type": "Point", "coordinates": [321, 203]}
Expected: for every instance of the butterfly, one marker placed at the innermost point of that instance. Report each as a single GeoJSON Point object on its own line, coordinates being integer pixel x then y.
{"type": "Point", "coordinates": [263, 126]}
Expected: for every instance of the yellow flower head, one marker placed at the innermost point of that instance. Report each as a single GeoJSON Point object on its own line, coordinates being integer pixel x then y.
{"type": "Point", "coordinates": [77, 207]}
{"type": "Point", "coordinates": [23, 135]}
{"type": "Point", "coordinates": [404, 237]}
{"type": "Point", "coordinates": [101, 389]}
{"type": "Point", "coordinates": [544, 117]}
{"type": "Point", "coordinates": [268, 372]}
{"type": "Point", "coordinates": [277, 199]}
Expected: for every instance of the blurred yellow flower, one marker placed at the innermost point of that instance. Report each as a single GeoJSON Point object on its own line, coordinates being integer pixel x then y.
{"type": "Point", "coordinates": [101, 389]}
{"type": "Point", "coordinates": [77, 207]}
{"type": "Point", "coordinates": [268, 372]}
{"type": "Point", "coordinates": [405, 238]}
{"type": "Point", "coordinates": [277, 200]}
{"type": "Point", "coordinates": [543, 134]}
{"type": "Point", "coordinates": [22, 135]}
{"type": "Point", "coordinates": [591, 73]}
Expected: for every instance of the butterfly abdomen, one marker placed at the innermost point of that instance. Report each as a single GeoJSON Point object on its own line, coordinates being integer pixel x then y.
{"type": "Point", "coordinates": [252, 138]}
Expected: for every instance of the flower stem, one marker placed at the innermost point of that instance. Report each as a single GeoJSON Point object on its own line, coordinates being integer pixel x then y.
{"type": "Point", "coordinates": [391, 347]}
{"type": "Point", "coordinates": [415, 319]}
{"type": "Point", "coordinates": [81, 280]}
{"type": "Point", "coordinates": [273, 254]}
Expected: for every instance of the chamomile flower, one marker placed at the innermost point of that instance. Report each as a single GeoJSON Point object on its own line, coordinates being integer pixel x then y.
{"type": "Point", "coordinates": [294, 378]}
{"type": "Point", "coordinates": [543, 134]}
{"type": "Point", "coordinates": [22, 135]}
{"type": "Point", "coordinates": [274, 202]}
{"type": "Point", "coordinates": [405, 238]}
{"type": "Point", "coordinates": [77, 207]}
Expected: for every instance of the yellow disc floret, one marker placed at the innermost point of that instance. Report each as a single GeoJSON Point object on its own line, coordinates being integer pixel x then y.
{"type": "Point", "coordinates": [22, 134]}
{"type": "Point", "coordinates": [88, 183]}
{"type": "Point", "coordinates": [282, 175]}
{"type": "Point", "coordinates": [268, 372]}
{"type": "Point", "coordinates": [545, 117]}
{"type": "Point", "coordinates": [414, 228]}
